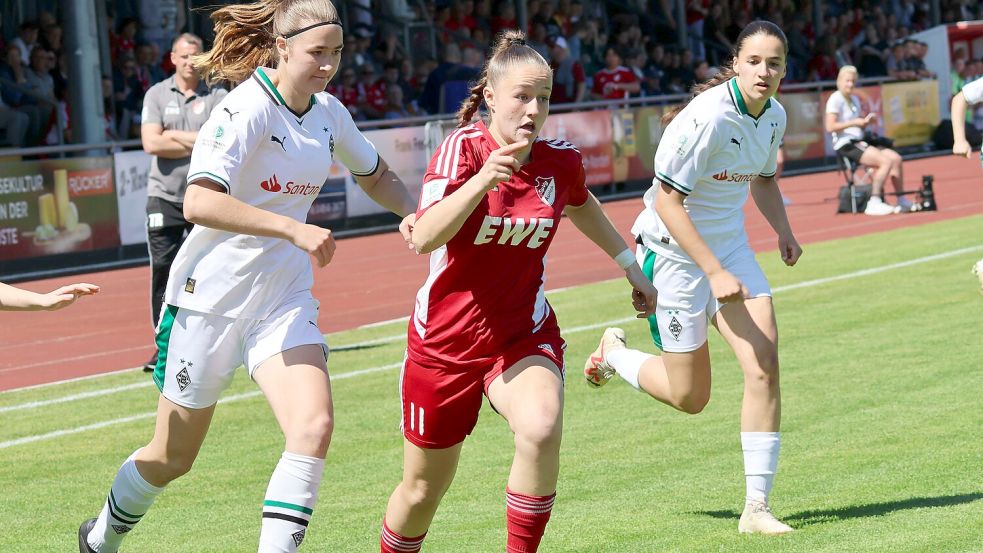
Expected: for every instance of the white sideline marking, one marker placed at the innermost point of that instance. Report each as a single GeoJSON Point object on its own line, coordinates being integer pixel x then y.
{"type": "Point", "coordinates": [73, 397]}
{"type": "Point", "coordinates": [131, 418]}
{"type": "Point", "coordinates": [787, 287]}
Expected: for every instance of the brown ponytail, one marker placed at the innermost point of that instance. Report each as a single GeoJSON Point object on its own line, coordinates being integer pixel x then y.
{"type": "Point", "coordinates": [245, 35]}
{"type": "Point", "coordinates": [722, 76]}
{"type": "Point", "coordinates": [509, 49]}
{"type": "Point", "coordinates": [759, 27]}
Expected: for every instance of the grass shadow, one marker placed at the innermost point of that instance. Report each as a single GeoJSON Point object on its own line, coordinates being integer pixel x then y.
{"type": "Point", "coordinates": [818, 516]}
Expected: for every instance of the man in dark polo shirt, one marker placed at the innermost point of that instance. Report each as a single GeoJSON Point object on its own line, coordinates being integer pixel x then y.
{"type": "Point", "coordinates": [173, 111]}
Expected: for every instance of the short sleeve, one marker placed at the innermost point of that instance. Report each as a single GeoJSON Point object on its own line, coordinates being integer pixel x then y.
{"type": "Point", "coordinates": [973, 92]}
{"type": "Point", "coordinates": [450, 167]}
{"type": "Point", "coordinates": [223, 146]}
{"type": "Point", "coordinates": [578, 190]}
{"type": "Point", "coordinates": [835, 103]}
{"type": "Point", "coordinates": [354, 151]}
{"type": "Point", "coordinates": [683, 154]}
{"type": "Point", "coordinates": [151, 108]}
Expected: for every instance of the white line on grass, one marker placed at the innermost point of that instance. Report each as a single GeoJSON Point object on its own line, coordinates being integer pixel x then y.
{"type": "Point", "coordinates": [131, 418]}
{"type": "Point", "coordinates": [576, 329]}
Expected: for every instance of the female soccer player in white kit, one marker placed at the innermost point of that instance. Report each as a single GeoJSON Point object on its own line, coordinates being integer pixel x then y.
{"type": "Point", "coordinates": [239, 290]}
{"type": "Point", "coordinates": [694, 247]}
{"type": "Point", "coordinates": [971, 94]}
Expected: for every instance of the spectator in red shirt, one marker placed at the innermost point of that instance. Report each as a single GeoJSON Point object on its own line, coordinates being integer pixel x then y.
{"type": "Point", "coordinates": [371, 93]}
{"type": "Point", "coordinates": [615, 81]}
{"type": "Point", "coordinates": [345, 88]}
{"type": "Point", "coordinates": [505, 18]}
{"type": "Point", "coordinates": [569, 79]}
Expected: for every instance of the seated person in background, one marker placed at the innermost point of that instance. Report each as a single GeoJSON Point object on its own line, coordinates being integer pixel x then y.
{"type": "Point", "coordinates": [845, 123]}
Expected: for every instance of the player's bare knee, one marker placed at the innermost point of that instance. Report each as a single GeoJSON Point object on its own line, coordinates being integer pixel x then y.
{"type": "Point", "coordinates": [540, 425]}
{"type": "Point", "coordinates": [692, 403]}
{"type": "Point", "coordinates": [312, 436]}
{"type": "Point", "coordinates": [422, 494]}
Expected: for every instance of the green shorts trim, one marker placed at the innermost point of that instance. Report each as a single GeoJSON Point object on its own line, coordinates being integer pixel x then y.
{"type": "Point", "coordinates": [163, 338]}
{"type": "Point", "coordinates": [648, 267]}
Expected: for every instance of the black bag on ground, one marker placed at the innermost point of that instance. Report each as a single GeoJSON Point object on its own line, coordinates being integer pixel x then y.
{"type": "Point", "coordinates": [942, 137]}
{"type": "Point", "coordinates": [861, 192]}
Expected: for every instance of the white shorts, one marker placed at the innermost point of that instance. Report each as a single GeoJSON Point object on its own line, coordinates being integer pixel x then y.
{"type": "Point", "coordinates": [198, 353]}
{"type": "Point", "coordinates": [686, 303]}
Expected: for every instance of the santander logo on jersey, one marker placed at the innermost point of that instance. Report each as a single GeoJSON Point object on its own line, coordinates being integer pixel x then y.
{"type": "Point", "coordinates": [734, 177]}
{"type": "Point", "coordinates": [273, 185]}
{"type": "Point", "coordinates": [514, 232]}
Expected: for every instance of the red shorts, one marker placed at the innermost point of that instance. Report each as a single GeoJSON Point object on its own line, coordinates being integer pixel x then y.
{"type": "Point", "coordinates": [441, 403]}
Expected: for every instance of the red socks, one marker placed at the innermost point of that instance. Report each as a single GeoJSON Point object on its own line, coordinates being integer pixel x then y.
{"type": "Point", "coordinates": [526, 517]}
{"type": "Point", "coordinates": [391, 542]}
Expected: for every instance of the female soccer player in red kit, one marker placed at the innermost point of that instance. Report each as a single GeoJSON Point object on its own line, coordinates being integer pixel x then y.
{"type": "Point", "coordinates": [492, 198]}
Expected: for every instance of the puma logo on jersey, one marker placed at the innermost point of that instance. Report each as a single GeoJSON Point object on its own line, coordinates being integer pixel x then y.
{"type": "Point", "coordinates": [738, 142]}
{"type": "Point", "coordinates": [278, 140]}
{"type": "Point", "coordinates": [226, 110]}
{"type": "Point", "coordinates": [514, 232]}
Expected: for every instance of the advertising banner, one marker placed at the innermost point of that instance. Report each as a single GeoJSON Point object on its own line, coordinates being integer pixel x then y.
{"type": "Point", "coordinates": [591, 133]}
{"type": "Point", "coordinates": [405, 150]}
{"type": "Point", "coordinates": [805, 135]}
{"type": "Point", "coordinates": [911, 111]}
{"type": "Point", "coordinates": [870, 102]}
{"type": "Point", "coordinates": [132, 169]}
{"type": "Point", "coordinates": [57, 206]}
{"type": "Point", "coordinates": [330, 204]}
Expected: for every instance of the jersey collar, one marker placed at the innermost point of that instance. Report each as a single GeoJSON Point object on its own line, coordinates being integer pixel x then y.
{"type": "Point", "coordinates": [267, 86]}
{"type": "Point", "coordinates": [735, 96]}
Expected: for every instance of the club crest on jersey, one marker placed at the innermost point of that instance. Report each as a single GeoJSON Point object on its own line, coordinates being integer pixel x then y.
{"type": "Point", "coordinates": [546, 188]}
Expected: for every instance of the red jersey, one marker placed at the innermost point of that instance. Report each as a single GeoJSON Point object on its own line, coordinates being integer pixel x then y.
{"type": "Point", "coordinates": [605, 77]}
{"type": "Point", "coordinates": [486, 286]}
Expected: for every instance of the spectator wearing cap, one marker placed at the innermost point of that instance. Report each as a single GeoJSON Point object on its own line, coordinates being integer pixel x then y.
{"type": "Point", "coordinates": [27, 39]}
{"type": "Point", "coordinates": [358, 53]}
{"type": "Point", "coordinates": [615, 81]}
{"type": "Point", "coordinates": [569, 79]}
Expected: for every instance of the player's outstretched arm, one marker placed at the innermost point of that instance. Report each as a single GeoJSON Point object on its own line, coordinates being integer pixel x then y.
{"type": "Point", "coordinates": [387, 189]}
{"type": "Point", "coordinates": [591, 220]}
{"type": "Point", "coordinates": [960, 146]}
{"type": "Point", "coordinates": [207, 204]}
{"type": "Point", "coordinates": [768, 198]}
{"type": "Point", "coordinates": [18, 299]}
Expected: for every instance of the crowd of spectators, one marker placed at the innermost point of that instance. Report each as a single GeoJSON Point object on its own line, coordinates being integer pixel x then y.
{"type": "Point", "coordinates": [599, 50]}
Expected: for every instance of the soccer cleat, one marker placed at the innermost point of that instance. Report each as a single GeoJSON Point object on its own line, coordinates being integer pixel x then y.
{"type": "Point", "coordinates": [597, 370]}
{"type": "Point", "coordinates": [84, 534]}
{"type": "Point", "coordinates": [757, 519]}
{"type": "Point", "coordinates": [877, 206]}
{"type": "Point", "coordinates": [978, 271]}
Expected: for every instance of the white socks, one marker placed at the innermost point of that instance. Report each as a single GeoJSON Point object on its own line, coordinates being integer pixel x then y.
{"type": "Point", "coordinates": [129, 499]}
{"type": "Point", "coordinates": [627, 363]}
{"type": "Point", "coordinates": [760, 462]}
{"type": "Point", "coordinates": [289, 503]}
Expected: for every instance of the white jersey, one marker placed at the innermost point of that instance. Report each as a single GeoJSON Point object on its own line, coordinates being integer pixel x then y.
{"type": "Point", "coordinates": [973, 92]}
{"type": "Point", "coordinates": [710, 152]}
{"type": "Point", "coordinates": [269, 157]}
{"type": "Point", "coordinates": [845, 111]}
